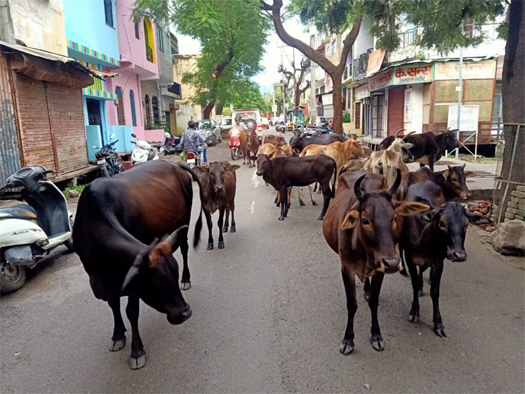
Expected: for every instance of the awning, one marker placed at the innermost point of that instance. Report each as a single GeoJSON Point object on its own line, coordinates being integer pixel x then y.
{"type": "Point", "coordinates": [104, 74]}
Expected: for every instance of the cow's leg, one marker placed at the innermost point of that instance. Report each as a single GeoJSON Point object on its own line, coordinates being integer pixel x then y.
{"type": "Point", "coordinates": [277, 199]}
{"type": "Point", "coordinates": [210, 228]}
{"type": "Point", "coordinates": [219, 223]}
{"type": "Point", "coordinates": [326, 200]}
{"type": "Point", "coordinates": [226, 219]}
{"type": "Point", "coordinates": [318, 187]}
{"type": "Point", "coordinates": [367, 289]}
{"type": "Point", "coordinates": [300, 196]}
{"type": "Point", "coordinates": [347, 346]}
{"type": "Point", "coordinates": [431, 163]}
{"type": "Point", "coordinates": [233, 228]}
{"type": "Point", "coordinates": [421, 272]}
{"type": "Point", "coordinates": [138, 355]}
{"type": "Point", "coordinates": [376, 340]}
{"type": "Point", "coordinates": [185, 281]}
{"type": "Point", "coordinates": [311, 195]}
{"type": "Point", "coordinates": [289, 197]}
{"type": "Point", "coordinates": [413, 316]}
{"type": "Point", "coordinates": [284, 202]}
{"type": "Point", "coordinates": [119, 336]}
{"type": "Point", "coordinates": [436, 272]}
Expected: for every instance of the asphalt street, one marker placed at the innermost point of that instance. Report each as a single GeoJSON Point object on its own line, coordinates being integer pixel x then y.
{"type": "Point", "coordinates": [269, 313]}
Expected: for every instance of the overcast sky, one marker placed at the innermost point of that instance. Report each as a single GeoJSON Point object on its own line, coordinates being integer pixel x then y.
{"type": "Point", "coordinates": [272, 56]}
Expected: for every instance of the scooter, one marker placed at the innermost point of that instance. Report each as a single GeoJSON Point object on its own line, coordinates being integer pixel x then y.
{"type": "Point", "coordinates": [108, 161]}
{"type": "Point", "coordinates": [29, 232]}
{"type": "Point", "coordinates": [171, 145]}
{"type": "Point", "coordinates": [143, 152]}
{"type": "Point", "coordinates": [235, 144]}
{"type": "Point", "coordinates": [280, 127]}
{"type": "Point", "coordinates": [193, 158]}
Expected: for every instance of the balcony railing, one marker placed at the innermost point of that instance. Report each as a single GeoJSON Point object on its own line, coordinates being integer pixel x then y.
{"type": "Point", "coordinates": [409, 37]}
{"type": "Point", "coordinates": [149, 54]}
{"type": "Point", "coordinates": [360, 66]}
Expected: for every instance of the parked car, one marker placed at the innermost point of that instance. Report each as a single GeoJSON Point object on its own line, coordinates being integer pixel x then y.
{"type": "Point", "coordinates": [210, 131]}
{"type": "Point", "coordinates": [226, 124]}
{"type": "Point", "coordinates": [265, 123]}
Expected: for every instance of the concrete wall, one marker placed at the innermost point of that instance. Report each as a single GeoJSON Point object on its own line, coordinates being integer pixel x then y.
{"type": "Point", "coordinates": [188, 111]}
{"type": "Point", "coordinates": [40, 24]}
{"type": "Point", "coordinates": [414, 113]}
{"type": "Point", "coordinates": [86, 25]}
{"type": "Point", "coordinates": [363, 40]}
{"type": "Point", "coordinates": [164, 59]}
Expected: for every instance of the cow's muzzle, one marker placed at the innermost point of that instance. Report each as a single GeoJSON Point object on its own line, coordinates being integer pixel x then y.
{"type": "Point", "coordinates": [219, 188]}
{"type": "Point", "coordinates": [180, 316]}
{"type": "Point", "coordinates": [259, 173]}
{"type": "Point", "coordinates": [457, 256]}
{"type": "Point", "coordinates": [392, 265]}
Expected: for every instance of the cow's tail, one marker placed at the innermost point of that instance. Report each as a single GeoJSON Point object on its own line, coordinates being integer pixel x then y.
{"type": "Point", "coordinates": [335, 180]}
{"type": "Point", "coordinates": [198, 225]}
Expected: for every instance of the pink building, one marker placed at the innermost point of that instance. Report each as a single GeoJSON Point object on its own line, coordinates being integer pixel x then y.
{"type": "Point", "coordinates": [137, 63]}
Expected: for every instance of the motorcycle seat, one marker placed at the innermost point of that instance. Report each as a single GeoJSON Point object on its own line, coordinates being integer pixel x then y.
{"type": "Point", "coordinates": [20, 211]}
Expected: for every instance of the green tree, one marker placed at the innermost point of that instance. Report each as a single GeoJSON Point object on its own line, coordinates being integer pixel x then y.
{"type": "Point", "coordinates": [297, 75]}
{"type": "Point", "coordinates": [232, 34]}
{"type": "Point", "coordinates": [249, 96]}
{"type": "Point", "coordinates": [227, 111]}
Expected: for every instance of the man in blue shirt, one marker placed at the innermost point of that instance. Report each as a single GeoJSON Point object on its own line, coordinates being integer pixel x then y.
{"type": "Point", "coordinates": [192, 140]}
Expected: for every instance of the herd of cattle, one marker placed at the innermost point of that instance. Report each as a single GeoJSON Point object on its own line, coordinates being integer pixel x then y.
{"type": "Point", "coordinates": [128, 226]}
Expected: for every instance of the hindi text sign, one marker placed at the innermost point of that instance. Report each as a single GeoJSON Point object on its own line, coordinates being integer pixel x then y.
{"type": "Point", "coordinates": [409, 75]}
{"type": "Point", "coordinates": [375, 59]}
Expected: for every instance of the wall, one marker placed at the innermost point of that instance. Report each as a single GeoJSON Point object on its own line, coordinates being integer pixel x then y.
{"type": "Point", "coordinates": [414, 113]}
{"type": "Point", "coordinates": [149, 88]}
{"type": "Point", "coordinates": [182, 64]}
{"type": "Point", "coordinates": [40, 24]}
{"type": "Point", "coordinates": [363, 40]}
{"type": "Point", "coordinates": [86, 24]}
{"type": "Point", "coordinates": [164, 59]}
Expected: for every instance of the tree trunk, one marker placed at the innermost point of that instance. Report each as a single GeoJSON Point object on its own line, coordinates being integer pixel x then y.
{"type": "Point", "coordinates": [207, 110]}
{"type": "Point", "coordinates": [337, 79]}
{"type": "Point", "coordinates": [219, 108]}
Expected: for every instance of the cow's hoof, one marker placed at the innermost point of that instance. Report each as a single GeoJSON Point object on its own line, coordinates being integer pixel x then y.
{"type": "Point", "coordinates": [439, 329]}
{"type": "Point", "coordinates": [137, 362]}
{"type": "Point", "coordinates": [320, 217]}
{"type": "Point", "coordinates": [347, 347]}
{"type": "Point", "coordinates": [185, 285]}
{"type": "Point", "coordinates": [221, 245]}
{"type": "Point", "coordinates": [314, 203]}
{"type": "Point", "coordinates": [233, 229]}
{"type": "Point", "coordinates": [403, 272]}
{"type": "Point", "coordinates": [210, 246]}
{"type": "Point", "coordinates": [377, 342]}
{"type": "Point", "coordinates": [278, 204]}
{"type": "Point", "coordinates": [281, 218]}
{"type": "Point", "coordinates": [225, 229]}
{"type": "Point", "coordinates": [367, 296]}
{"type": "Point", "coordinates": [413, 317]}
{"type": "Point", "coordinates": [301, 203]}
{"type": "Point", "coordinates": [117, 345]}
{"type": "Point", "coordinates": [420, 293]}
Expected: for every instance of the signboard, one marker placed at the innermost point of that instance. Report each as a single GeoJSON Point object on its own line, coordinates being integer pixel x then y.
{"type": "Point", "coordinates": [408, 105]}
{"type": "Point", "coordinates": [409, 75]}
{"type": "Point", "coordinates": [274, 108]}
{"type": "Point", "coordinates": [328, 99]}
{"type": "Point", "coordinates": [469, 117]}
{"type": "Point", "coordinates": [380, 80]}
{"type": "Point", "coordinates": [362, 92]}
{"type": "Point", "coordinates": [375, 59]}
{"type": "Point", "coordinates": [471, 70]}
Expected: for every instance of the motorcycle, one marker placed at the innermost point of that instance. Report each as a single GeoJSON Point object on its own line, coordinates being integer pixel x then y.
{"type": "Point", "coordinates": [143, 152]}
{"type": "Point", "coordinates": [235, 144]}
{"type": "Point", "coordinates": [108, 160]}
{"type": "Point", "coordinates": [279, 126]}
{"type": "Point", "coordinates": [171, 145]}
{"type": "Point", "coordinates": [28, 232]}
{"type": "Point", "coordinates": [193, 158]}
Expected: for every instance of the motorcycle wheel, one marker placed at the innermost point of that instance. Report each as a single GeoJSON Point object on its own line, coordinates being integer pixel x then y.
{"type": "Point", "coordinates": [235, 154]}
{"type": "Point", "coordinates": [69, 243]}
{"type": "Point", "coordinates": [12, 277]}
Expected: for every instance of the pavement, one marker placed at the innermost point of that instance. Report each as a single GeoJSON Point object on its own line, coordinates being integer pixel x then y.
{"type": "Point", "coordinates": [269, 313]}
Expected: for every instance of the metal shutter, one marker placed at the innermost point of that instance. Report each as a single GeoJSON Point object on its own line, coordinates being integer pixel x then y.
{"type": "Point", "coordinates": [396, 103]}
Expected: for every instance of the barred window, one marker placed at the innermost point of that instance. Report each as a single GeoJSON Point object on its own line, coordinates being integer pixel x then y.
{"type": "Point", "coordinates": [108, 11]}
{"type": "Point", "coordinates": [120, 106]}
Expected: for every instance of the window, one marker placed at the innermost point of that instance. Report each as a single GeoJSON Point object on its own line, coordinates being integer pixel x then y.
{"type": "Point", "coordinates": [155, 105]}
{"type": "Point", "coordinates": [137, 33]}
{"type": "Point", "coordinates": [108, 11]}
{"type": "Point", "coordinates": [132, 103]}
{"type": "Point", "coordinates": [147, 111]}
{"type": "Point", "coordinates": [160, 38]}
{"type": "Point", "coordinates": [357, 115]}
{"type": "Point", "coordinates": [120, 106]}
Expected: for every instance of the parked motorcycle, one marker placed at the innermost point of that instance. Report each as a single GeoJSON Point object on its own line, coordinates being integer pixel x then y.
{"type": "Point", "coordinates": [235, 144]}
{"type": "Point", "coordinates": [143, 152]}
{"type": "Point", "coordinates": [193, 158]}
{"type": "Point", "coordinates": [171, 145]}
{"type": "Point", "coordinates": [29, 232]}
{"type": "Point", "coordinates": [108, 160]}
{"type": "Point", "coordinates": [280, 127]}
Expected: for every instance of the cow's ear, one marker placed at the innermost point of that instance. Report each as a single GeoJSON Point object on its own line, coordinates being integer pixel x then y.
{"type": "Point", "coordinates": [445, 174]}
{"type": "Point", "coordinates": [157, 252]}
{"type": "Point", "coordinates": [350, 220]}
{"type": "Point", "coordinates": [407, 145]}
{"type": "Point", "coordinates": [470, 174]}
{"type": "Point", "coordinates": [233, 167]}
{"type": "Point", "coordinates": [477, 218]}
{"type": "Point", "coordinates": [404, 208]}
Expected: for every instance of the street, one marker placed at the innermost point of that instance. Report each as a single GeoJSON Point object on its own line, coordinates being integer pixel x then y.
{"type": "Point", "coordinates": [269, 313]}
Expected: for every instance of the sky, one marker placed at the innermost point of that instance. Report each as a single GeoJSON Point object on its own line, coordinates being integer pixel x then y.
{"type": "Point", "coordinates": [271, 58]}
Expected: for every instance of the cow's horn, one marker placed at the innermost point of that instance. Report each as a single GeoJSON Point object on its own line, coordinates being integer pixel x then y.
{"type": "Point", "coordinates": [395, 186]}
{"type": "Point", "coordinates": [172, 239]}
{"type": "Point", "coordinates": [399, 131]}
{"type": "Point", "coordinates": [357, 187]}
{"type": "Point", "coordinates": [412, 132]}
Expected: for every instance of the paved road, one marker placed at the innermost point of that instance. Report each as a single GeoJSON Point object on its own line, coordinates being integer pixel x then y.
{"type": "Point", "coordinates": [268, 316]}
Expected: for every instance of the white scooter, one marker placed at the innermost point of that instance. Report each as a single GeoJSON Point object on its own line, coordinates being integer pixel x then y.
{"type": "Point", "coordinates": [29, 232]}
{"type": "Point", "coordinates": [143, 152]}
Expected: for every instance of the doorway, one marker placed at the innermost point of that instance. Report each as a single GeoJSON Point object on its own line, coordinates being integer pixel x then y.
{"type": "Point", "coordinates": [95, 115]}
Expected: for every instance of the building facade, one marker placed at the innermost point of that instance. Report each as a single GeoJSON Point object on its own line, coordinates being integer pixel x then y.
{"type": "Point", "coordinates": [186, 109]}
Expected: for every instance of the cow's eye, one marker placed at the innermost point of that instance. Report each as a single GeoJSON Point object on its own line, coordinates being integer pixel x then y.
{"type": "Point", "coordinates": [365, 221]}
{"type": "Point", "coordinates": [442, 224]}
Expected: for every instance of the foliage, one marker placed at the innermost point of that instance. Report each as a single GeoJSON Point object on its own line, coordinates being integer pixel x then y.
{"type": "Point", "coordinates": [232, 34]}
{"type": "Point", "coordinates": [346, 116]}
{"type": "Point", "coordinates": [77, 188]}
{"type": "Point", "coordinates": [249, 96]}
{"type": "Point", "coordinates": [226, 111]}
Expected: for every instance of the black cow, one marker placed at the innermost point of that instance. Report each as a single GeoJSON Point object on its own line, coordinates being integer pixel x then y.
{"type": "Point", "coordinates": [427, 147]}
{"type": "Point", "coordinates": [283, 172]}
{"type": "Point", "coordinates": [428, 238]}
{"type": "Point", "coordinates": [117, 218]}
{"type": "Point", "coordinates": [298, 143]}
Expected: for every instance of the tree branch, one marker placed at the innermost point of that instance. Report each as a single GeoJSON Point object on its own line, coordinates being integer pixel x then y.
{"type": "Point", "coordinates": [348, 42]}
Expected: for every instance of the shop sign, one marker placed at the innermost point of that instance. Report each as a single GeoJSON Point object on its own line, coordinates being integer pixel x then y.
{"type": "Point", "coordinates": [362, 92]}
{"type": "Point", "coordinates": [469, 117]}
{"type": "Point", "coordinates": [375, 59]}
{"type": "Point", "coordinates": [409, 75]}
{"type": "Point", "coordinates": [471, 70]}
{"type": "Point", "coordinates": [380, 80]}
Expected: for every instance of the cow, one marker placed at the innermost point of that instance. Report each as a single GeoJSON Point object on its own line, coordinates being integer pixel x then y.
{"type": "Point", "coordinates": [428, 147]}
{"type": "Point", "coordinates": [219, 184]}
{"type": "Point", "coordinates": [298, 143]}
{"type": "Point", "coordinates": [361, 226]}
{"type": "Point", "coordinates": [117, 218]}
{"type": "Point", "coordinates": [283, 172]}
{"type": "Point", "coordinates": [276, 140]}
{"type": "Point", "coordinates": [341, 152]}
{"type": "Point", "coordinates": [428, 238]}
{"type": "Point", "coordinates": [352, 165]}
{"type": "Point", "coordinates": [249, 145]}
{"type": "Point", "coordinates": [386, 162]}
{"type": "Point", "coordinates": [272, 150]}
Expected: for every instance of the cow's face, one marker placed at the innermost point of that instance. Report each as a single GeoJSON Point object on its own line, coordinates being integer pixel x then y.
{"type": "Point", "coordinates": [376, 218]}
{"type": "Point", "coordinates": [450, 222]}
{"type": "Point", "coordinates": [263, 164]}
{"type": "Point", "coordinates": [451, 142]}
{"type": "Point", "coordinates": [455, 178]}
{"type": "Point", "coordinates": [297, 143]}
{"type": "Point", "coordinates": [214, 174]}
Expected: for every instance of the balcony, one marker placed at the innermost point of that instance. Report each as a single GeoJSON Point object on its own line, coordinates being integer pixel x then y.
{"type": "Point", "coordinates": [360, 65]}
{"type": "Point", "coordinates": [175, 88]}
{"type": "Point", "coordinates": [149, 54]}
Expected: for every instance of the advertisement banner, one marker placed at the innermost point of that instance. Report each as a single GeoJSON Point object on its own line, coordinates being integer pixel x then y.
{"type": "Point", "coordinates": [409, 75]}
{"type": "Point", "coordinates": [362, 92]}
{"type": "Point", "coordinates": [375, 59]}
{"type": "Point", "coordinates": [380, 80]}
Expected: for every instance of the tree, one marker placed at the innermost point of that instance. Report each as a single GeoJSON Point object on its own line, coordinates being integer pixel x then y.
{"type": "Point", "coordinates": [227, 111]}
{"type": "Point", "coordinates": [249, 96]}
{"type": "Point", "coordinates": [297, 74]}
{"type": "Point", "coordinates": [232, 34]}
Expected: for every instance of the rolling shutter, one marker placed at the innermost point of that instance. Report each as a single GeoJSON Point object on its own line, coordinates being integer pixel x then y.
{"type": "Point", "coordinates": [396, 102]}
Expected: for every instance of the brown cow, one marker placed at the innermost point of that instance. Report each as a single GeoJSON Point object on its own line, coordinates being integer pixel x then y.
{"type": "Point", "coordinates": [276, 140]}
{"type": "Point", "coordinates": [249, 145]}
{"type": "Point", "coordinates": [272, 150]}
{"type": "Point", "coordinates": [361, 227]}
{"type": "Point", "coordinates": [219, 183]}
